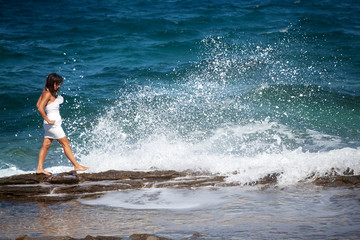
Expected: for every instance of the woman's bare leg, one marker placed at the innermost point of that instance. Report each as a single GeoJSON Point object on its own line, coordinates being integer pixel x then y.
{"type": "Point", "coordinates": [69, 154]}
{"type": "Point", "coordinates": [42, 155]}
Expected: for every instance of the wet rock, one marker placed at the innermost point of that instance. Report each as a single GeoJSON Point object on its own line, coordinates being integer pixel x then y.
{"type": "Point", "coordinates": [22, 179]}
{"type": "Point", "coordinates": [93, 188]}
{"type": "Point", "coordinates": [338, 181]}
{"type": "Point", "coordinates": [267, 180]}
{"type": "Point", "coordinates": [23, 192]}
{"type": "Point", "coordinates": [26, 237]}
{"type": "Point", "coordinates": [24, 189]}
{"type": "Point", "coordinates": [118, 175]}
{"type": "Point", "coordinates": [192, 181]}
{"type": "Point", "coordinates": [103, 176]}
{"type": "Point", "coordinates": [157, 175]}
{"type": "Point", "coordinates": [70, 185]}
{"type": "Point", "coordinates": [196, 236]}
{"type": "Point", "coordinates": [348, 172]}
{"type": "Point", "coordinates": [62, 238]}
{"type": "Point", "coordinates": [89, 237]}
{"type": "Point", "coordinates": [102, 238]}
{"type": "Point", "coordinates": [146, 237]}
{"type": "Point", "coordinates": [64, 178]}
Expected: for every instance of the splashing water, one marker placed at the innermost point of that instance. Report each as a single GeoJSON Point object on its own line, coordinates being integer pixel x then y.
{"type": "Point", "coordinates": [239, 112]}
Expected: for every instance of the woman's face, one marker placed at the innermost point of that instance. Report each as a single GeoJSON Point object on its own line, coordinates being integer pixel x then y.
{"type": "Point", "coordinates": [57, 86]}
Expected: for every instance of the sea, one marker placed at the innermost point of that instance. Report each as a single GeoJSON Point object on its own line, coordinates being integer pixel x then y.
{"type": "Point", "coordinates": [241, 89]}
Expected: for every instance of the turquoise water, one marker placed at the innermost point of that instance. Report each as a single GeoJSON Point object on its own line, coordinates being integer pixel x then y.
{"type": "Point", "coordinates": [241, 89]}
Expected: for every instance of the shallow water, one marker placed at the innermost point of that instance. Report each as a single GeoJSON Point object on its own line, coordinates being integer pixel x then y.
{"type": "Point", "coordinates": [305, 212]}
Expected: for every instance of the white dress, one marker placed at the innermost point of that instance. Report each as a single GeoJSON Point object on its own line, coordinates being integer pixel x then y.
{"type": "Point", "coordinates": [54, 131]}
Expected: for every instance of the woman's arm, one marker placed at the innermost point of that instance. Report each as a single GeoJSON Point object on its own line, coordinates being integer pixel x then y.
{"type": "Point", "coordinates": [41, 103]}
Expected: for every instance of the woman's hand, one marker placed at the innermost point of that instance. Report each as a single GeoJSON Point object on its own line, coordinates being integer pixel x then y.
{"type": "Point", "coordinates": [51, 121]}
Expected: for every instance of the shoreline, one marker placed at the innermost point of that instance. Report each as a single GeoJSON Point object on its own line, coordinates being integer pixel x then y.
{"type": "Point", "coordinates": [71, 185]}
{"type": "Point", "coordinates": [222, 210]}
{"type": "Point", "coordinates": [89, 237]}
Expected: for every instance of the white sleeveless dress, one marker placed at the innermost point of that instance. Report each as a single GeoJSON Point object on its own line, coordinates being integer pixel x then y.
{"type": "Point", "coordinates": [54, 131]}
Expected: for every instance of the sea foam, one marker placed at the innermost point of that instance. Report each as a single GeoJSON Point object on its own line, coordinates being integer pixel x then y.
{"type": "Point", "coordinates": [242, 153]}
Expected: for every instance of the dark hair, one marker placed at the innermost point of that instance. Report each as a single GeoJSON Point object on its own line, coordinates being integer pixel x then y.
{"type": "Point", "coordinates": [51, 80]}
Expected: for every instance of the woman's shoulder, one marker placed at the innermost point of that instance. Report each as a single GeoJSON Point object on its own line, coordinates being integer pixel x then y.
{"type": "Point", "coordinates": [46, 93]}
{"type": "Point", "coordinates": [44, 98]}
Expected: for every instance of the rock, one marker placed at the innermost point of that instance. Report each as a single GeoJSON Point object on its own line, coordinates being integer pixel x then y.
{"type": "Point", "coordinates": [268, 179]}
{"type": "Point", "coordinates": [70, 185]}
{"type": "Point", "coordinates": [64, 178]}
{"type": "Point", "coordinates": [103, 176]}
{"type": "Point", "coordinates": [93, 188]}
{"type": "Point", "coordinates": [62, 238]}
{"type": "Point", "coordinates": [338, 181]}
{"type": "Point", "coordinates": [118, 175]}
{"type": "Point", "coordinates": [102, 238]}
{"type": "Point", "coordinates": [22, 192]}
{"type": "Point", "coordinates": [89, 237]}
{"type": "Point", "coordinates": [196, 181]}
{"type": "Point", "coordinates": [22, 179]}
{"type": "Point", "coordinates": [26, 237]}
{"type": "Point", "coordinates": [196, 236]}
{"type": "Point", "coordinates": [146, 237]}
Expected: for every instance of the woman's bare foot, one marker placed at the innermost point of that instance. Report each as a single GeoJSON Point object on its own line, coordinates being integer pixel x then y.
{"type": "Point", "coordinates": [80, 168]}
{"type": "Point", "coordinates": [38, 172]}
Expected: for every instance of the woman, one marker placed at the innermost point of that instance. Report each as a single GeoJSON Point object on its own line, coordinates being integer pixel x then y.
{"type": "Point", "coordinates": [48, 106]}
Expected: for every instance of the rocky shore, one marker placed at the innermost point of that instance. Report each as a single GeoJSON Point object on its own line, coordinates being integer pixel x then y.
{"type": "Point", "coordinates": [132, 237]}
{"type": "Point", "coordinates": [67, 186]}
{"type": "Point", "coordinates": [70, 185]}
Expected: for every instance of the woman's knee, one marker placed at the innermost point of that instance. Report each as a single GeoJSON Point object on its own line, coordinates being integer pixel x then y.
{"type": "Point", "coordinates": [47, 143]}
{"type": "Point", "coordinates": [64, 142]}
